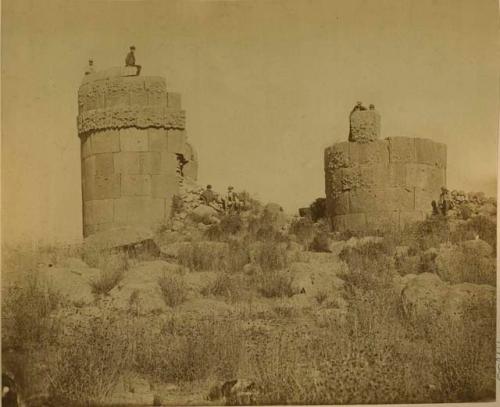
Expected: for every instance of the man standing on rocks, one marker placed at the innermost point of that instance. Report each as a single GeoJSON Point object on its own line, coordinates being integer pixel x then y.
{"type": "Point", "coordinates": [130, 60]}
{"type": "Point", "coordinates": [444, 201]}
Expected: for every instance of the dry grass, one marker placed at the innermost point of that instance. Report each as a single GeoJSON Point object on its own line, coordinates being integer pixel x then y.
{"type": "Point", "coordinates": [173, 289]}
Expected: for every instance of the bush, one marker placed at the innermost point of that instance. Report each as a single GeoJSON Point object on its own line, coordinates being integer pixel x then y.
{"type": "Point", "coordinates": [480, 226]}
{"type": "Point", "coordinates": [107, 280]}
{"type": "Point", "coordinates": [320, 243]}
{"type": "Point", "coordinates": [85, 377]}
{"type": "Point", "coordinates": [26, 312]}
{"type": "Point", "coordinates": [303, 228]}
{"type": "Point", "coordinates": [271, 256]}
{"type": "Point", "coordinates": [275, 284]}
{"type": "Point", "coordinates": [188, 350]}
{"type": "Point", "coordinates": [202, 256]}
{"type": "Point", "coordinates": [174, 290]}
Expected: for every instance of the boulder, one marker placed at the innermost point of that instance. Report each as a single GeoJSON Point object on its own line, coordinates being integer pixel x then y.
{"type": "Point", "coordinates": [139, 289]}
{"type": "Point", "coordinates": [133, 240]}
{"type": "Point", "coordinates": [312, 280]}
{"type": "Point", "coordinates": [477, 247]}
{"type": "Point", "coordinates": [426, 295]}
{"type": "Point", "coordinates": [72, 283]}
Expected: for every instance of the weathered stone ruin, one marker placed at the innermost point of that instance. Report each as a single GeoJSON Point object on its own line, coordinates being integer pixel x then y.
{"type": "Point", "coordinates": [134, 149]}
{"type": "Point", "coordinates": [372, 183]}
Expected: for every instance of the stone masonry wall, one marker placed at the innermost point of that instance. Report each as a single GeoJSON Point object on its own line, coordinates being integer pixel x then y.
{"type": "Point", "coordinates": [382, 183]}
{"type": "Point", "coordinates": [132, 131]}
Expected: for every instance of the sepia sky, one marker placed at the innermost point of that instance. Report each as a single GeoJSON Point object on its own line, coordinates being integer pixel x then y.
{"type": "Point", "coordinates": [267, 85]}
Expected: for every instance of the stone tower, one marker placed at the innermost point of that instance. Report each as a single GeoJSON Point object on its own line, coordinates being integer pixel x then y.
{"type": "Point", "coordinates": [374, 184]}
{"type": "Point", "coordinates": [134, 149]}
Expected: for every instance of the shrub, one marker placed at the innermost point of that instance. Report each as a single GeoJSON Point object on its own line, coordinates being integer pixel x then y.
{"type": "Point", "coordinates": [320, 243]}
{"type": "Point", "coordinates": [271, 256]}
{"type": "Point", "coordinates": [85, 377]}
{"type": "Point", "coordinates": [275, 284]}
{"type": "Point", "coordinates": [26, 312]}
{"type": "Point", "coordinates": [303, 228]}
{"type": "Point", "coordinates": [107, 280]}
{"type": "Point", "coordinates": [191, 350]}
{"type": "Point", "coordinates": [202, 256]}
{"type": "Point", "coordinates": [173, 289]}
{"type": "Point", "coordinates": [477, 225]}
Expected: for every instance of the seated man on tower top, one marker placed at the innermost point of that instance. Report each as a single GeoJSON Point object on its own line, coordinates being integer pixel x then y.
{"type": "Point", "coordinates": [130, 60]}
{"type": "Point", "coordinates": [359, 106]}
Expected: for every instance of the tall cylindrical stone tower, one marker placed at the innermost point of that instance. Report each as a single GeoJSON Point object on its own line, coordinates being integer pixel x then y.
{"type": "Point", "coordinates": [133, 149]}
{"type": "Point", "coordinates": [375, 184]}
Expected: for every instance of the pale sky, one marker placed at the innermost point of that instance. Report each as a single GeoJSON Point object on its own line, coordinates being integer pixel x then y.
{"type": "Point", "coordinates": [266, 85]}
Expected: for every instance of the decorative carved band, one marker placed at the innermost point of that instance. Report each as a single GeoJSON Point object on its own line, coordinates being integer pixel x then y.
{"type": "Point", "coordinates": [131, 116]}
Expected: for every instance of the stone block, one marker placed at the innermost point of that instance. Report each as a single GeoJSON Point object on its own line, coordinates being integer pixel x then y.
{"type": "Point", "coordinates": [138, 94]}
{"type": "Point", "coordinates": [397, 175]}
{"type": "Point", "coordinates": [333, 183]}
{"type": "Point", "coordinates": [176, 140]}
{"type": "Point", "coordinates": [136, 185]}
{"type": "Point", "coordinates": [102, 187]}
{"type": "Point", "coordinates": [364, 126]}
{"type": "Point", "coordinates": [408, 217]}
{"type": "Point", "coordinates": [164, 185]}
{"type": "Point", "coordinates": [105, 141]}
{"type": "Point", "coordinates": [136, 162]}
{"type": "Point", "coordinates": [116, 93]}
{"type": "Point", "coordinates": [168, 208]}
{"type": "Point", "coordinates": [158, 139]}
{"type": "Point", "coordinates": [351, 179]}
{"type": "Point", "coordinates": [382, 220]}
{"type": "Point", "coordinates": [98, 211]}
{"type": "Point", "coordinates": [132, 139]}
{"type": "Point", "coordinates": [375, 176]}
{"type": "Point", "coordinates": [402, 150]}
{"type": "Point", "coordinates": [86, 147]}
{"type": "Point", "coordinates": [157, 97]}
{"type": "Point", "coordinates": [376, 200]}
{"type": "Point", "coordinates": [139, 210]}
{"type": "Point", "coordinates": [174, 100]}
{"type": "Point", "coordinates": [424, 198]}
{"type": "Point", "coordinates": [424, 176]}
{"type": "Point", "coordinates": [374, 152]}
{"type": "Point", "coordinates": [338, 205]}
{"type": "Point", "coordinates": [191, 170]}
{"type": "Point", "coordinates": [104, 164]}
{"type": "Point", "coordinates": [89, 167]}
{"type": "Point", "coordinates": [338, 223]}
{"type": "Point", "coordinates": [168, 163]}
{"type": "Point", "coordinates": [430, 152]}
{"type": "Point", "coordinates": [337, 156]}
{"type": "Point", "coordinates": [355, 221]}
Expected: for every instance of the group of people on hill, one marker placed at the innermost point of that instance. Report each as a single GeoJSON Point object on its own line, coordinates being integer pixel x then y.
{"type": "Point", "coordinates": [129, 61]}
{"type": "Point", "coordinates": [229, 201]}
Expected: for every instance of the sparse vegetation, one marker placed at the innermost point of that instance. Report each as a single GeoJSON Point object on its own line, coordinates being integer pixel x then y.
{"type": "Point", "coordinates": [173, 289]}
{"type": "Point", "coordinates": [245, 314]}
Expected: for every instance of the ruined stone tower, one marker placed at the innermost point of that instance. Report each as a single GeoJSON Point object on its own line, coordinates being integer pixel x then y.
{"type": "Point", "coordinates": [133, 149]}
{"type": "Point", "coordinates": [374, 184]}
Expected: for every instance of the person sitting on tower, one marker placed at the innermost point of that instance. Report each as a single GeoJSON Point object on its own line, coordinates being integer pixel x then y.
{"type": "Point", "coordinates": [90, 68]}
{"type": "Point", "coordinates": [359, 106]}
{"type": "Point", "coordinates": [130, 60]}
